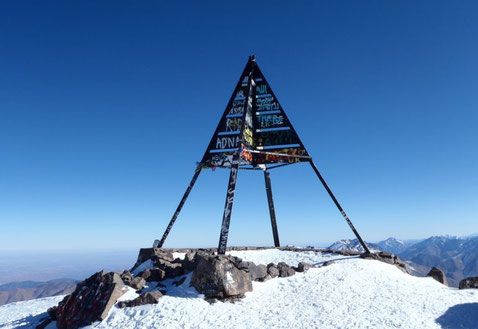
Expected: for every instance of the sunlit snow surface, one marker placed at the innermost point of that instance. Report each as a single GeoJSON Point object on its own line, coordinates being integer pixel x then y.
{"type": "Point", "coordinates": [350, 293]}
{"type": "Point", "coordinates": [26, 314]}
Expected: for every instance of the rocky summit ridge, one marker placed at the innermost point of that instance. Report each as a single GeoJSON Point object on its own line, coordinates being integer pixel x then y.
{"type": "Point", "coordinates": [225, 278]}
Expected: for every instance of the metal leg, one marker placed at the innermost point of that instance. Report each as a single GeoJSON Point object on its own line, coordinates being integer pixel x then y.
{"type": "Point", "coordinates": [178, 209]}
{"type": "Point", "coordinates": [272, 212]}
{"type": "Point", "coordinates": [347, 219]}
{"type": "Point", "coordinates": [226, 219]}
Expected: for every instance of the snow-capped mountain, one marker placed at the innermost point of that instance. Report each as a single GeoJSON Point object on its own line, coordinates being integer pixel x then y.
{"type": "Point", "coordinates": [349, 293]}
{"type": "Point", "coordinates": [352, 245]}
{"type": "Point", "coordinates": [456, 256]}
{"type": "Point", "coordinates": [392, 245]}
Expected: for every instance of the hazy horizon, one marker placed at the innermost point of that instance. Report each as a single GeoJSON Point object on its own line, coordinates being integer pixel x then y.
{"type": "Point", "coordinates": [44, 265]}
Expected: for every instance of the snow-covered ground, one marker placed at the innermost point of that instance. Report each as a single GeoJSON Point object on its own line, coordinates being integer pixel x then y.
{"type": "Point", "coordinates": [350, 293]}
{"type": "Point", "coordinates": [27, 313]}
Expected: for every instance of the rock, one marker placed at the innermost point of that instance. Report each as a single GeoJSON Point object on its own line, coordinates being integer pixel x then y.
{"type": "Point", "coordinates": [438, 275]}
{"type": "Point", "coordinates": [137, 283]}
{"type": "Point", "coordinates": [151, 297]}
{"type": "Point", "coordinates": [171, 269]}
{"type": "Point", "coordinates": [243, 265]}
{"type": "Point", "coordinates": [149, 253]}
{"type": "Point", "coordinates": [163, 264]}
{"type": "Point", "coordinates": [145, 274]}
{"type": "Point", "coordinates": [153, 274]}
{"type": "Point", "coordinates": [272, 270]}
{"type": "Point", "coordinates": [266, 278]}
{"type": "Point", "coordinates": [469, 283]}
{"type": "Point", "coordinates": [52, 312]}
{"type": "Point", "coordinates": [257, 272]}
{"type": "Point", "coordinates": [90, 302]}
{"type": "Point", "coordinates": [302, 267]}
{"type": "Point", "coordinates": [386, 258]}
{"type": "Point", "coordinates": [179, 282]}
{"type": "Point", "coordinates": [327, 263]}
{"type": "Point", "coordinates": [348, 252]}
{"type": "Point", "coordinates": [285, 270]}
{"type": "Point", "coordinates": [126, 276]}
{"type": "Point", "coordinates": [219, 277]}
{"type": "Point", "coordinates": [188, 262]}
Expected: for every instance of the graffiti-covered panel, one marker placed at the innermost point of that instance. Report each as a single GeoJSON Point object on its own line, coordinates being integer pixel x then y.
{"type": "Point", "coordinates": [228, 137]}
{"type": "Point", "coordinates": [255, 125]}
{"type": "Point", "coordinates": [273, 133]}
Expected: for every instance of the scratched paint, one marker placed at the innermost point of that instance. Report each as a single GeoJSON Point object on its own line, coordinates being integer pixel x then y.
{"type": "Point", "coordinates": [248, 125]}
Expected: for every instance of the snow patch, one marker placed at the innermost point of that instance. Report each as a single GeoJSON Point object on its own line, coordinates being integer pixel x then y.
{"type": "Point", "coordinates": [291, 258]}
{"type": "Point", "coordinates": [179, 255]}
{"type": "Point", "coordinates": [229, 278]}
{"type": "Point", "coordinates": [143, 266]}
{"type": "Point", "coordinates": [26, 314]}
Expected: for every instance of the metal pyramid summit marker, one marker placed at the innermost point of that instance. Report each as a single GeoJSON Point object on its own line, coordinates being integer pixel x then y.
{"type": "Point", "coordinates": [254, 133]}
{"type": "Point", "coordinates": [254, 127]}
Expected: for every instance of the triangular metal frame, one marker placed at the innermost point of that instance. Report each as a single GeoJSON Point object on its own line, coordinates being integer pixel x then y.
{"type": "Point", "coordinates": [254, 133]}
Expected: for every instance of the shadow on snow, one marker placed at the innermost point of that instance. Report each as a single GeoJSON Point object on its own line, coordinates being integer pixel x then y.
{"type": "Point", "coordinates": [463, 316]}
{"type": "Point", "coordinates": [28, 322]}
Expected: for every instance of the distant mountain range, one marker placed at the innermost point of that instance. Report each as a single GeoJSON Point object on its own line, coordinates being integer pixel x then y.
{"type": "Point", "coordinates": [391, 245]}
{"type": "Point", "coordinates": [456, 256]}
{"type": "Point", "coordinates": [352, 245]}
{"type": "Point", "coordinates": [25, 290]}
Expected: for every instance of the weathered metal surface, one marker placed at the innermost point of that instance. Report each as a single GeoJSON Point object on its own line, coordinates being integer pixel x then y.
{"type": "Point", "coordinates": [272, 212]}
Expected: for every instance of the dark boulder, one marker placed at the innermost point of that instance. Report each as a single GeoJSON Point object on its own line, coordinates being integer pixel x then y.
{"type": "Point", "coordinates": [243, 265]}
{"type": "Point", "coordinates": [469, 283]}
{"type": "Point", "coordinates": [285, 270]}
{"type": "Point", "coordinates": [126, 276]}
{"type": "Point", "coordinates": [144, 299]}
{"type": "Point", "coordinates": [438, 275]}
{"type": "Point", "coordinates": [171, 268]}
{"type": "Point", "coordinates": [52, 312]}
{"type": "Point", "coordinates": [272, 270]}
{"type": "Point", "coordinates": [348, 252]}
{"type": "Point", "coordinates": [218, 276]}
{"type": "Point", "coordinates": [137, 283]}
{"type": "Point", "coordinates": [150, 253]}
{"type": "Point", "coordinates": [162, 265]}
{"type": "Point", "coordinates": [153, 274]}
{"type": "Point", "coordinates": [90, 302]}
{"type": "Point", "coordinates": [302, 267]}
{"type": "Point", "coordinates": [189, 262]}
{"type": "Point", "coordinates": [257, 272]}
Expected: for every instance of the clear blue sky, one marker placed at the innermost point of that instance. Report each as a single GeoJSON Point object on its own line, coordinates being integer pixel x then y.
{"type": "Point", "coordinates": [106, 107]}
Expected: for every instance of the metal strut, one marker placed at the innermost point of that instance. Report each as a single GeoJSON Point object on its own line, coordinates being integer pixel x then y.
{"type": "Point", "coordinates": [226, 219]}
{"type": "Point", "coordinates": [231, 187]}
{"type": "Point", "coordinates": [347, 219]}
{"type": "Point", "coordinates": [159, 244]}
{"type": "Point", "coordinates": [272, 212]}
